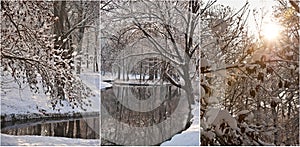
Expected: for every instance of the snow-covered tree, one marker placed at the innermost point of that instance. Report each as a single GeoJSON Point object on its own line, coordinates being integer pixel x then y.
{"type": "Point", "coordinates": [261, 98]}
{"type": "Point", "coordinates": [168, 30]}
{"type": "Point", "coordinates": [75, 18]}
{"type": "Point", "coordinates": [34, 50]}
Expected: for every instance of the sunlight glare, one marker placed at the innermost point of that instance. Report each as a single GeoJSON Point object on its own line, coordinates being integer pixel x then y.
{"type": "Point", "coordinates": [271, 31]}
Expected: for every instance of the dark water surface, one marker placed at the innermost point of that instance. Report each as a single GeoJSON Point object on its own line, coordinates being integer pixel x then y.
{"type": "Point", "coordinates": [85, 128]}
{"type": "Point", "coordinates": [130, 115]}
{"type": "Point", "coordinates": [142, 115]}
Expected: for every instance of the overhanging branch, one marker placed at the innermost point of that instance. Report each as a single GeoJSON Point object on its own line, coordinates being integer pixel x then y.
{"type": "Point", "coordinates": [242, 65]}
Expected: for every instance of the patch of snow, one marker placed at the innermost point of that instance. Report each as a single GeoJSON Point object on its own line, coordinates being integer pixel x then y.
{"type": "Point", "coordinates": [204, 63]}
{"type": "Point", "coordinates": [252, 66]}
{"type": "Point", "coordinates": [132, 81]}
{"type": "Point", "coordinates": [104, 85]}
{"type": "Point", "coordinates": [276, 99]}
{"type": "Point", "coordinates": [204, 125]}
{"type": "Point", "coordinates": [224, 115]}
{"type": "Point", "coordinates": [264, 143]}
{"type": "Point", "coordinates": [202, 91]}
{"type": "Point", "coordinates": [108, 76]}
{"type": "Point", "coordinates": [250, 117]}
{"type": "Point", "coordinates": [249, 130]}
{"type": "Point", "coordinates": [189, 137]}
{"type": "Point", "coordinates": [292, 67]}
{"type": "Point", "coordinates": [211, 135]}
{"type": "Point", "coordinates": [289, 53]}
{"type": "Point", "coordinates": [215, 117]}
{"type": "Point", "coordinates": [29, 102]}
{"type": "Point", "coordinates": [211, 100]}
{"type": "Point", "coordinates": [211, 115]}
{"type": "Point", "coordinates": [243, 112]}
{"type": "Point", "coordinates": [11, 140]}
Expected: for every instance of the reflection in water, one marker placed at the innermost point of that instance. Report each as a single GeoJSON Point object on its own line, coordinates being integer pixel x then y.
{"type": "Point", "coordinates": [142, 115]}
{"type": "Point", "coordinates": [86, 128]}
{"type": "Point", "coordinates": [130, 115]}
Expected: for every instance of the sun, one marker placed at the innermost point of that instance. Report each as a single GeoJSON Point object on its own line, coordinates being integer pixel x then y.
{"type": "Point", "coordinates": [271, 31]}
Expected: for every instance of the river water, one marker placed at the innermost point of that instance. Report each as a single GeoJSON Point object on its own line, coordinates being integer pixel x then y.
{"type": "Point", "coordinates": [142, 115]}
{"type": "Point", "coordinates": [86, 128]}
{"type": "Point", "coordinates": [130, 115]}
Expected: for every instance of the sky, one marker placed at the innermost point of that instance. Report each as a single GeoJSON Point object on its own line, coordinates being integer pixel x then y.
{"type": "Point", "coordinates": [265, 5]}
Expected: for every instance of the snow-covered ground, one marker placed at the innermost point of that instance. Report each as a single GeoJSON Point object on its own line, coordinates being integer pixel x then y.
{"type": "Point", "coordinates": [189, 137]}
{"type": "Point", "coordinates": [29, 102]}
{"type": "Point", "coordinates": [10, 140]}
{"type": "Point", "coordinates": [23, 101]}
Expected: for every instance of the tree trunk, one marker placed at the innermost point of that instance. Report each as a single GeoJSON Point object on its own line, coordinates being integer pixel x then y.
{"type": "Point", "coordinates": [274, 114]}
{"type": "Point", "coordinates": [71, 128]}
{"type": "Point", "coordinates": [80, 35]}
{"type": "Point", "coordinates": [151, 69]}
{"type": "Point", "coordinates": [95, 67]}
{"type": "Point", "coordinates": [87, 53]}
{"type": "Point", "coordinates": [188, 84]}
{"type": "Point", "coordinates": [60, 13]}
{"type": "Point", "coordinates": [188, 89]}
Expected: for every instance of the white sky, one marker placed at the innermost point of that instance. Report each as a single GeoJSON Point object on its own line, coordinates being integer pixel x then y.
{"type": "Point", "coordinates": [265, 5]}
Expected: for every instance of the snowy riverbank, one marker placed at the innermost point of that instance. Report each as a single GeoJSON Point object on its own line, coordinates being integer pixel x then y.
{"type": "Point", "coordinates": [21, 102]}
{"type": "Point", "coordinates": [189, 137]}
{"type": "Point", "coordinates": [10, 140]}
{"type": "Point", "coordinates": [15, 101]}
